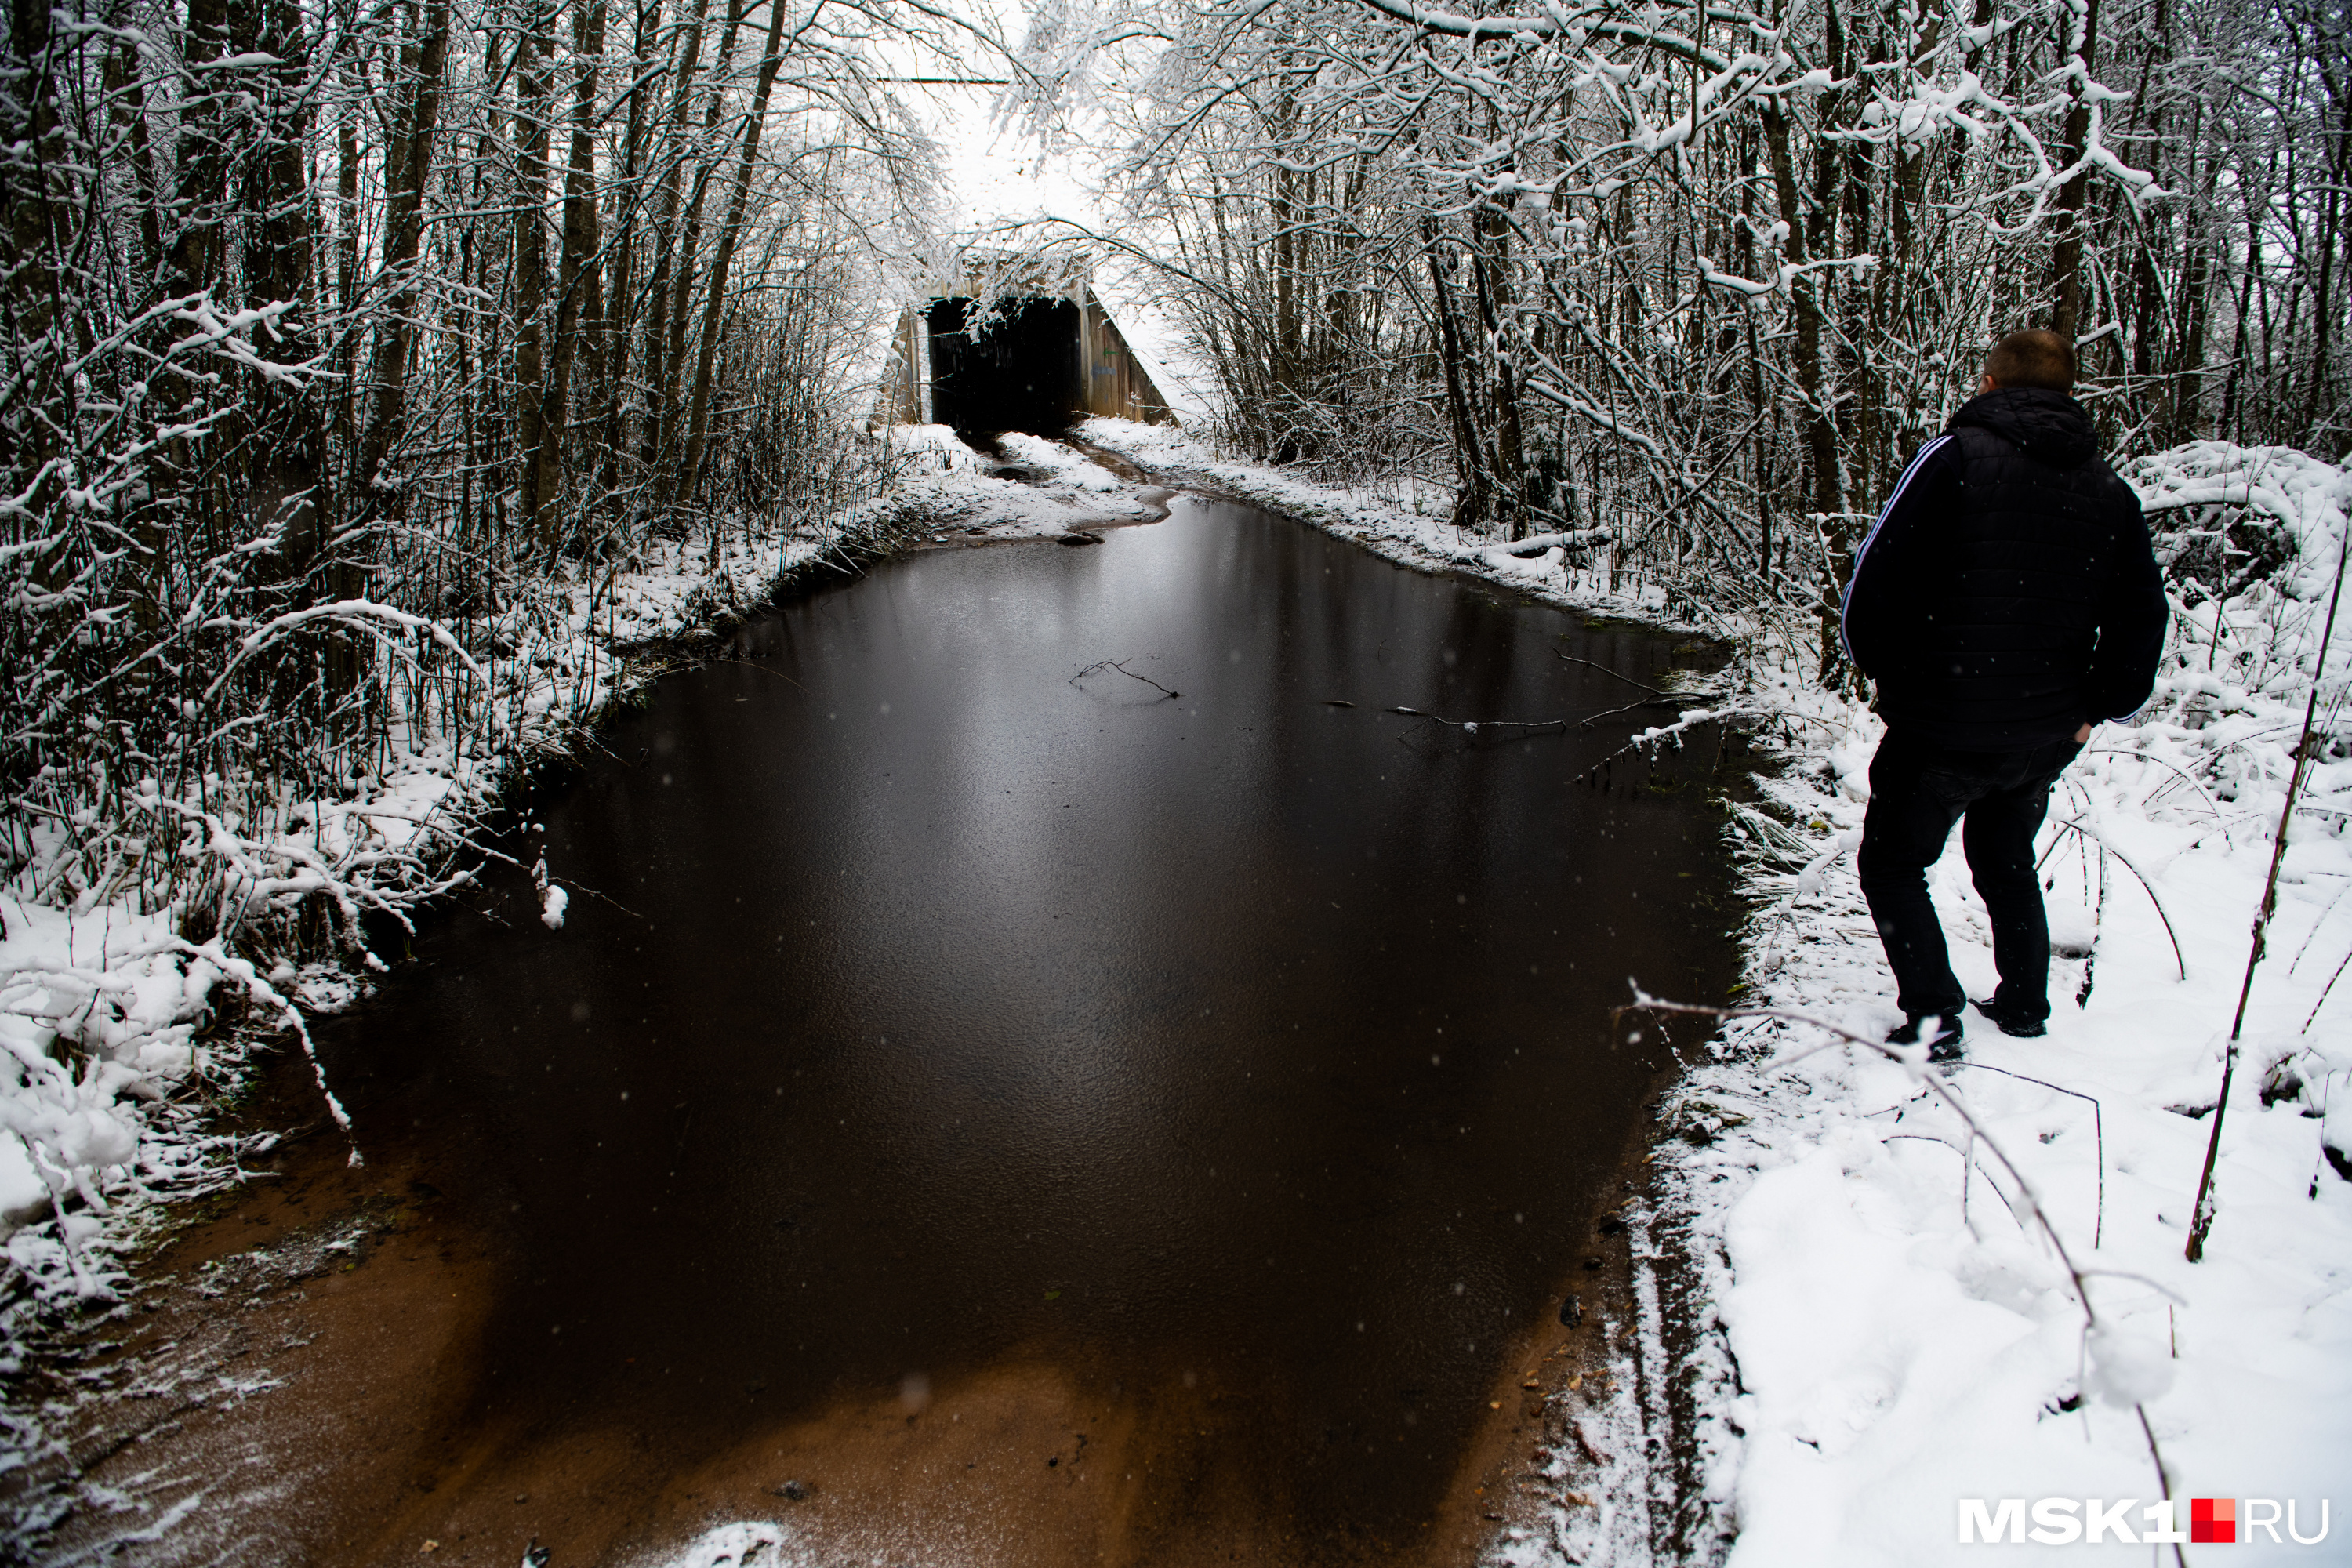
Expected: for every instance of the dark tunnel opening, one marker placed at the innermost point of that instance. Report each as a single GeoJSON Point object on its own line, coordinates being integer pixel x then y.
{"type": "Point", "coordinates": [1017, 370]}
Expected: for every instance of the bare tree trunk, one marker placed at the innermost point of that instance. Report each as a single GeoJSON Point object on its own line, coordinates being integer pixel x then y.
{"type": "Point", "coordinates": [730, 231]}
{"type": "Point", "coordinates": [619, 292]}
{"type": "Point", "coordinates": [2330, 244]}
{"type": "Point", "coordinates": [669, 402]}
{"type": "Point", "coordinates": [533, 90]}
{"type": "Point", "coordinates": [2066, 254]}
{"type": "Point", "coordinates": [1490, 273]}
{"type": "Point", "coordinates": [34, 212]}
{"type": "Point", "coordinates": [288, 460]}
{"type": "Point", "coordinates": [489, 429]}
{"type": "Point", "coordinates": [1820, 433]}
{"type": "Point", "coordinates": [575, 274]}
{"type": "Point", "coordinates": [410, 168]}
{"type": "Point", "coordinates": [2189, 356]}
{"type": "Point", "coordinates": [192, 254]}
{"type": "Point", "coordinates": [1461, 400]}
{"type": "Point", "coordinates": [347, 274]}
{"type": "Point", "coordinates": [127, 90]}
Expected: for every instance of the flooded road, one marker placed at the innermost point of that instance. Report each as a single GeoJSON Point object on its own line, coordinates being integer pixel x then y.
{"type": "Point", "coordinates": [1233, 1061]}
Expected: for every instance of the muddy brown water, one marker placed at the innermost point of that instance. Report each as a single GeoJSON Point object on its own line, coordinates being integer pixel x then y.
{"type": "Point", "coordinates": [967, 1084]}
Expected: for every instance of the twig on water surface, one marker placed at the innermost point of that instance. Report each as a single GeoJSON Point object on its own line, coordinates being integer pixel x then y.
{"type": "Point", "coordinates": [1936, 1085]}
{"type": "Point", "coordinates": [1604, 669]}
{"type": "Point", "coordinates": [1656, 699]}
{"type": "Point", "coordinates": [1663, 700]}
{"type": "Point", "coordinates": [2201, 1216]}
{"type": "Point", "coordinates": [1119, 665]}
{"type": "Point", "coordinates": [1471, 726]}
{"type": "Point", "coordinates": [1649, 737]}
{"type": "Point", "coordinates": [1690, 720]}
{"type": "Point", "coordinates": [753, 663]}
{"type": "Point", "coordinates": [434, 825]}
{"type": "Point", "coordinates": [1666, 699]}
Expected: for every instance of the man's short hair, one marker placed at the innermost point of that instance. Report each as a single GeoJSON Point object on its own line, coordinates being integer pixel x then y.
{"type": "Point", "coordinates": [2032, 359]}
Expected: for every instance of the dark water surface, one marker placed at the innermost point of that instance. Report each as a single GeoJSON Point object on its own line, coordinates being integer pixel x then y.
{"type": "Point", "coordinates": [1236, 1043]}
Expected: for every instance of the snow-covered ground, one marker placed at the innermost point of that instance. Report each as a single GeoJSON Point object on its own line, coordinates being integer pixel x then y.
{"type": "Point", "coordinates": [1899, 1339]}
{"type": "Point", "coordinates": [1040, 488]}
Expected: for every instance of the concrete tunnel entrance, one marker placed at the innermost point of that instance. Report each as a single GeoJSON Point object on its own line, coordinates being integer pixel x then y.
{"type": "Point", "coordinates": [1013, 368]}
{"type": "Point", "coordinates": [1043, 356]}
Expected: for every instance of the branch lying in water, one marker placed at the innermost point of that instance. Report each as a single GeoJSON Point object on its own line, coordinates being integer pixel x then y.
{"type": "Point", "coordinates": [1474, 725]}
{"type": "Point", "coordinates": [1535, 544]}
{"type": "Point", "coordinates": [1691, 719]}
{"type": "Point", "coordinates": [1663, 700]}
{"type": "Point", "coordinates": [1604, 669]}
{"type": "Point", "coordinates": [1675, 699]}
{"type": "Point", "coordinates": [1119, 665]}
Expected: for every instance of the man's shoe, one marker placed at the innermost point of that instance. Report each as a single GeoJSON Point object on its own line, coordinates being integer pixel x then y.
{"type": "Point", "coordinates": [2023, 1028]}
{"type": "Point", "coordinates": [1940, 1030]}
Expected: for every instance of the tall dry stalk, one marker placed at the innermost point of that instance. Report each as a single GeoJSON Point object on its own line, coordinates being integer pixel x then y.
{"type": "Point", "coordinates": [2201, 1223]}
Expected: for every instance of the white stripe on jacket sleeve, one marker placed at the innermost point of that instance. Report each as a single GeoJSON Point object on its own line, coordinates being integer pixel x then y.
{"type": "Point", "coordinates": [1918, 460]}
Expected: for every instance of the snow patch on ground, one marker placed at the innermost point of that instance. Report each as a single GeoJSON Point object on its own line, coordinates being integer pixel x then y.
{"type": "Point", "coordinates": [735, 1545]}
{"type": "Point", "coordinates": [1039, 489]}
{"type": "Point", "coordinates": [98, 1011]}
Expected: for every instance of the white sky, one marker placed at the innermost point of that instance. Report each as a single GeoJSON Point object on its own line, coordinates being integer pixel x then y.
{"type": "Point", "coordinates": [1000, 176]}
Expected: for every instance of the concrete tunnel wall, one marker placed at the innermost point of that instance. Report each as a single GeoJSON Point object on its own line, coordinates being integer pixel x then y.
{"type": "Point", "coordinates": [1042, 364]}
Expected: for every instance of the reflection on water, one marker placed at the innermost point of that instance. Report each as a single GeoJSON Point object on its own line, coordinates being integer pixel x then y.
{"type": "Point", "coordinates": [940, 1007]}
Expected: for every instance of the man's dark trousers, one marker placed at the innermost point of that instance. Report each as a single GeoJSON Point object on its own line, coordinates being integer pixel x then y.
{"type": "Point", "coordinates": [1917, 790]}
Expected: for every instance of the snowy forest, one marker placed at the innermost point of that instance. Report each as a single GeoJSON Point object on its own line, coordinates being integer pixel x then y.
{"type": "Point", "coordinates": [334, 334]}
{"type": "Point", "coordinates": [1704, 276]}
{"type": "Point", "coordinates": [385, 387]}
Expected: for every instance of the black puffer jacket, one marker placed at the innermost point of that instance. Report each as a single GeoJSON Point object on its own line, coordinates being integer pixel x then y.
{"type": "Point", "coordinates": [2008, 592]}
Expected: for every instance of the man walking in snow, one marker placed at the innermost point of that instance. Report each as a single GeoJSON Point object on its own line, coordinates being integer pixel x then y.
{"type": "Point", "coordinates": [2005, 601]}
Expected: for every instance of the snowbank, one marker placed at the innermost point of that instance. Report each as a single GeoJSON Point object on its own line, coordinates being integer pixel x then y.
{"type": "Point", "coordinates": [1889, 1338]}
{"type": "Point", "coordinates": [1411, 528]}
{"type": "Point", "coordinates": [98, 1015]}
{"type": "Point", "coordinates": [1039, 488]}
{"type": "Point", "coordinates": [1893, 1337]}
